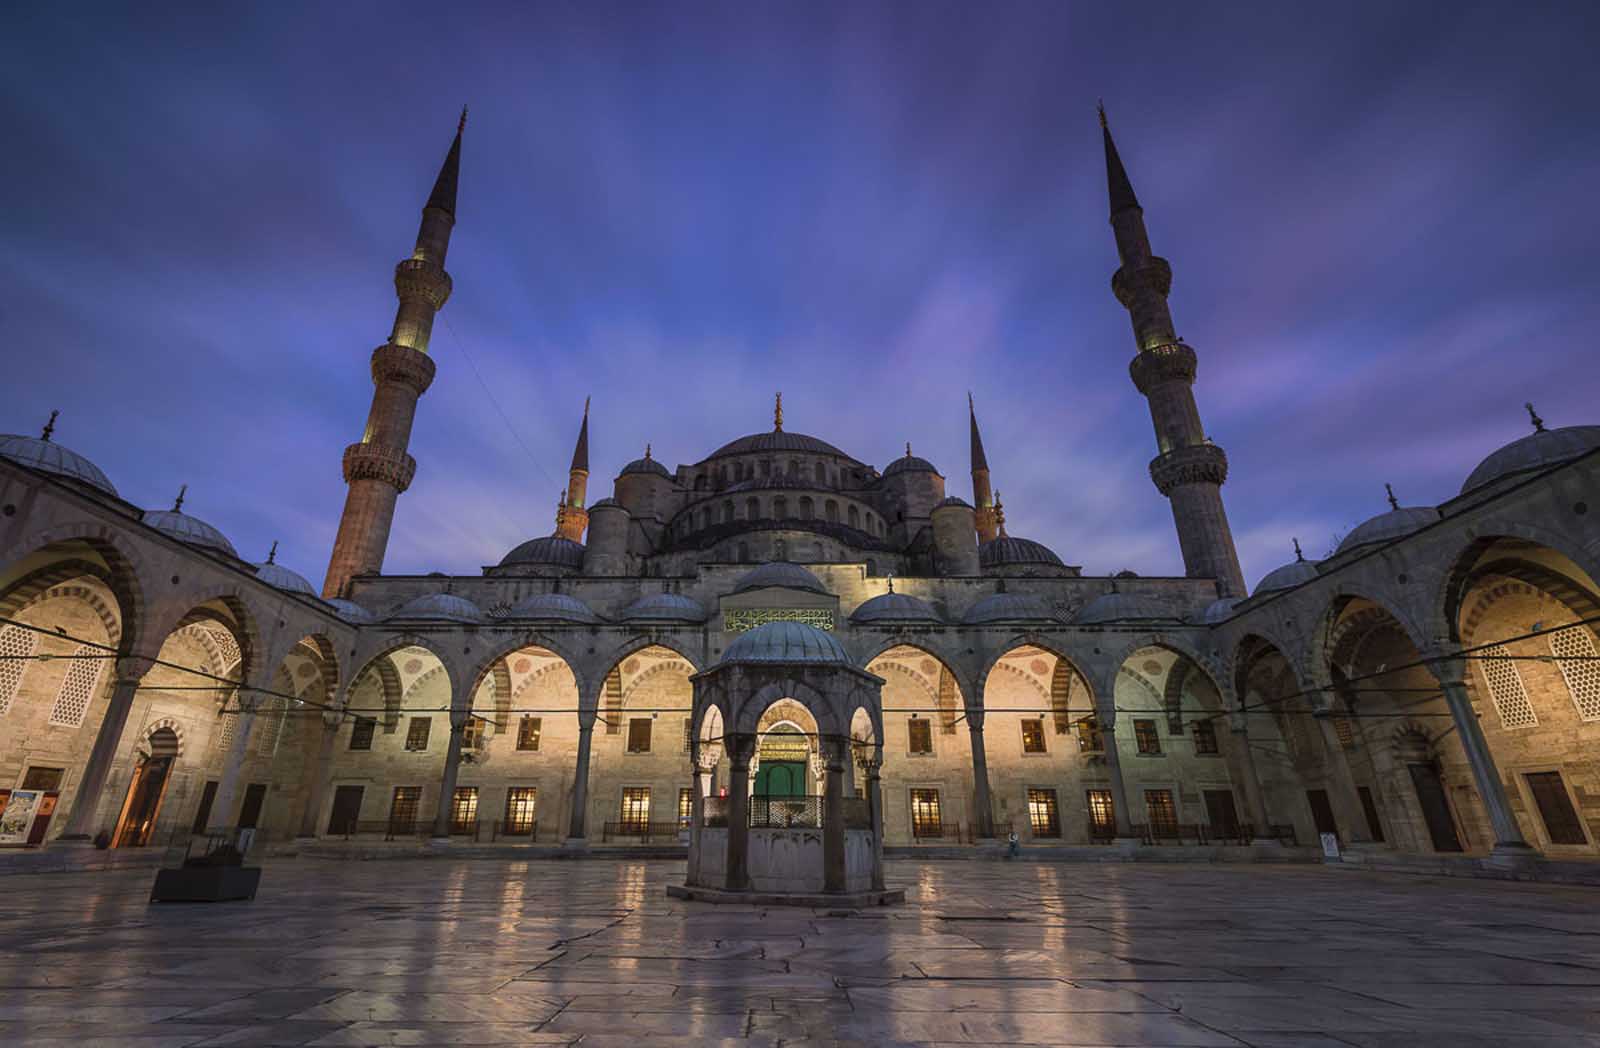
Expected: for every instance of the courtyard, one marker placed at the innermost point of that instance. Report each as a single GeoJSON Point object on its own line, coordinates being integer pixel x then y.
{"type": "Point", "coordinates": [441, 951]}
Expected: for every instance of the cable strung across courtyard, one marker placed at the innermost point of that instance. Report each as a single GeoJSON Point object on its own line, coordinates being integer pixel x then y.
{"type": "Point", "coordinates": [781, 660]}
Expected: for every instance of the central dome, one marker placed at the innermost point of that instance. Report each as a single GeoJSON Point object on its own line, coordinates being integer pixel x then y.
{"type": "Point", "coordinates": [785, 642]}
{"type": "Point", "coordinates": [777, 440]}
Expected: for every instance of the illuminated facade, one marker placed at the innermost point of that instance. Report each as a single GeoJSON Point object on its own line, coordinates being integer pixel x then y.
{"type": "Point", "coordinates": [1431, 687]}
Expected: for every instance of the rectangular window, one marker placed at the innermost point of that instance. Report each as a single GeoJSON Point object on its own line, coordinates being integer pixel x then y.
{"type": "Point", "coordinates": [639, 735]}
{"type": "Point", "coordinates": [528, 731]}
{"type": "Point", "coordinates": [1102, 813]}
{"type": "Point", "coordinates": [1162, 812]}
{"type": "Point", "coordinates": [361, 733]}
{"type": "Point", "coordinates": [1205, 738]}
{"type": "Point", "coordinates": [463, 809]}
{"type": "Point", "coordinates": [925, 818]}
{"type": "Point", "coordinates": [919, 735]}
{"type": "Point", "coordinates": [403, 809]}
{"type": "Point", "coordinates": [635, 809]}
{"type": "Point", "coordinates": [1555, 808]}
{"type": "Point", "coordinates": [417, 733]}
{"type": "Point", "coordinates": [472, 733]}
{"type": "Point", "coordinates": [1032, 736]}
{"type": "Point", "coordinates": [688, 734]}
{"type": "Point", "coordinates": [1044, 819]}
{"type": "Point", "coordinates": [1089, 738]}
{"type": "Point", "coordinates": [1145, 734]}
{"type": "Point", "coordinates": [685, 806]}
{"type": "Point", "coordinates": [522, 804]}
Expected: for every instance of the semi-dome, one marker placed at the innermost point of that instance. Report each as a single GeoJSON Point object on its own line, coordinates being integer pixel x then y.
{"type": "Point", "coordinates": [780, 573]}
{"type": "Point", "coordinates": [350, 611]}
{"type": "Point", "coordinates": [785, 642]}
{"type": "Point", "coordinates": [665, 607]}
{"type": "Point", "coordinates": [1219, 610]}
{"type": "Point", "coordinates": [1386, 527]}
{"type": "Point", "coordinates": [1536, 451]}
{"type": "Point", "coordinates": [279, 577]}
{"type": "Point", "coordinates": [910, 464]}
{"type": "Point", "coordinates": [439, 606]}
{"type": "Point", "coordinates": [1122, 607]}
{"type": "Point", "coordinates": [777, 440]}
{"type": "Point", "coordinates": [549, 550]}
{"type": "Point", "coordinates": [1006, 551]}
{"type": "Point", "coordinates": [1289, 576]}
{"type": "Point", "coordinates": [191, 531]}
{"type": "Point", "coordinates": [1009, 607]}
{"type": "Point", "coordinates": [895, 607]}
{"type": "Point", "coordinates": [562, 606]}
{"type": "Point", "coordinates": [44, 455]}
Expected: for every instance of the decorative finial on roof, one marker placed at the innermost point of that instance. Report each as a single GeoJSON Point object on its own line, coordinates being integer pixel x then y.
{"type": "Point", "coordinates": [1533, 416]}
{"type": "Point", "coordinates": [647, 452]}
{"type": "Point", "coordinates": [177, 504]}
{"type": "Point", "coordinates": [1394, 503]}
{"type": "Point", "coordinates": [272, 554]}
{"type": "Point", "coordinates": [1298, 556]}
{"type": "Point", "coordinates": [1000, 515]}
{"type": "Point", "coordinates": [891, 582]}
{"type": "Point", "coordinates": [908, 449]}
{"type": "Point", "coordinates": [50, 427]}
{"type": "Point", "coordinates": [777, 415]}
{"type": "Point", "coordinates": [462, 126]}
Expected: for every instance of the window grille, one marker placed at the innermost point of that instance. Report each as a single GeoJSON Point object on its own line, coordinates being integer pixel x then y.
{"type": "Point", "coordinates": [919, 736]}
{"type": "Point", "coordinates": [685, 805]}
{"type": "Point", "coordinates": [403, 810]}
{"type": "Point", "coordinates": [1102, 811]}
{"type": "Point", "coordinates": [528, 731]}
{"type": "Point", "coordinates": [639, 735]}
{"type": "Point", "coordinates": [688, 734]}
{"type": "Point", "coordinates": [417, 733]}
{"type": "Point", "coordinates": [1575, 654]}
{"type": "Point", "coordinates": [521, 808]}
{"type": "Point", "coordinates": [271, 718]}
{"type": "Point", "coordinates": [1033, 736]}
{"type": "Point", "coordinates": [230, 727]}
{"type": "Point", "coordinates": [1144, 733]}
{"type": "Point", "coordinates": [1205, 738]}
{"type": "Point", "coordinates": [635, 809]}
{"type": "Point", "coordinates": [17, 647]}
{"type": "Point", "coordinates": [1345, 730]}
{"type": "Point", "coordinates": [1162, 811]}
{"type": "Point", "coordinates": [72, 702]}
{"type": "Point", "coordinates": [1505, 688]}
{"type": "Point", "coordinates": [463, 809]}
{"type": "Point", "coordinates": [926, 820]}
{"type": "Point", "coordinates": [1044, 818]}
{"type": "Point", "coordinates": [472, 734]}
{"type": "Point", "coordinates": [361, 733]}
{"type": "Point", "coordinates": [1089, 738]}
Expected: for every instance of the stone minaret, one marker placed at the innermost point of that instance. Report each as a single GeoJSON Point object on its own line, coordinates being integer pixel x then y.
{"type": "Point", "coordinates": [1189, 469]}
{"type": "Point", "coordinates": [571, 518]}
{"type": "Point", "coordinates": [378, 468]}
{"type": "Point", "coordinates": [982, 498]}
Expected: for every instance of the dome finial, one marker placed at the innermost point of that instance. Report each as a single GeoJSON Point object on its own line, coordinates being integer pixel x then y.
{"type": "Point", "coordinates": [1394, 503]}
{"type": "Point", "coordinates": [647, 452]}
{"type": "Point", "coordinates": [50, 427]}
{"type": "Point", "coordinates": [1298, 556]}
{"type": "Point", "coordinates": [891, 582]}
{"type": "Point", "coordinates": [177, 504]}
{"type": "Point", "coordinates": [272, 554]}
{"type": "Point", "coordinates": [777, 415]}
{"type": "Point", "coordinates": [1000, 515]}
{"type": "Point", "coordinates": [1533, 416]}
{"type": "Point", "coordinates": [908, 449]}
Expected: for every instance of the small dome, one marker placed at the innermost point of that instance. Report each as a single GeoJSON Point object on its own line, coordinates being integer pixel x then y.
{"type": "Point", "coordinates": [279, 577]}
{"type": "Point", "coordinates": [895, 607]}
{"type": "Point", "coordinates": [439, 606]}
{"type": "Point", "coordinates": [551, 549]}
{"type": "Point", "coordinates": [785, 642]}
{"type": "Point", "coordinates": [910, 464]}
{"type": "Point", "coordinates": [561, 606]}
{"type": "Point", "coordinates": [1219, 610]}
{"type": "Point", "coordinates": [607, 503]}
{"type": "Point", "coordinates": [47, 457]}
{"type": "Point", "coordinates": [1548, 447]}
{"type": "Point", "coordinates": [1289, 576]}
{"type": "Point", "coordinates": [646, 465]}
{"type": "Point", "coordinates": [1122, 607]}
{"type": "Point", "coordinates": [669, 607]}
{"type": "Point", "coordinates": [954, 501]}
{"type": "Point", "coordinates": [1009, 607]}
{"type": "Point", "coordinates": [191, 531]}
{"type": "Point", "coordinates": [1386, 527]}
{"type": "Point", "coordinates": [350, 611]}
{"type": "Point", "coordinates": [780, 573]}
{"type": "Point", "coordinates": [1004, 551]}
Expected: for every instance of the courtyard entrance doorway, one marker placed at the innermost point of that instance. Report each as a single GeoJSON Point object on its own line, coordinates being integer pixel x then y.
{"type": "Point", "coordinates": [1435, 808]}
{"type": "Point", "coordinates": [146, 792]}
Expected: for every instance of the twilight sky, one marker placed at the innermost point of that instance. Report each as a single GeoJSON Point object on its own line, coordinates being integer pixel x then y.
{"type": "Point", "coordinates": [1381, 221]}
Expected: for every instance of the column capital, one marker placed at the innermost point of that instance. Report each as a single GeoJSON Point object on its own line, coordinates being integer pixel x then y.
{"type": "Point", "coordinates": [741, 749]}
{"type": "Point", "coordinates": [975, 719]}
{"type": "Point", "coordinates": [130, 669]}
{"type": "Point", "coordinates": [1447, 664]}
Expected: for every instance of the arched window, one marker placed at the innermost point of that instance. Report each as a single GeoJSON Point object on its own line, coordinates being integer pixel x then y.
{"type": "Point", "coordinates": [752, 509]}
{"type": "Point", "coordinates": [72, 701]}
{"type": "Point", "coordinates": [822, 474]}
{"type": "Point", "coordinates": [766, 468]}
{"type": "Point", "coordinates": [744, 553]}
{"type": "Point", "coordinates": [780, 508]}
{"type": "Point", "coordinates": [831, 511]}
{"type": "Point", "coordinates": [805, 508]}
{"type": "Point", "coordinates": [820, 554]}
{"type": "Point", "coordinates": [17, 647]}
{"type": "Point", "coordinates": [854, 517]}
{"type": "Point", "coordinates": [722, 477]}
{"type": "Point", "coordinates": [794, 467]}
{"type": "Point", "coordinates": [1505, 687]}
{"type": "Point", "coordinates": [700, 482]}
{"type": "Point", "coordinates": [1574, 650]}
{"type": "Point", "coordinates": [727, 512]}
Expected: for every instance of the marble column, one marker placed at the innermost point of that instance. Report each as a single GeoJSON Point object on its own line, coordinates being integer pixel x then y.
{"type": "Point", "coordinates": [1508, 838]}
{"type": "Point", "coordinates": [740, 750]}
{"type": "Point", "coordinates": [130, 670]}
{"type": "Point", "coordinates": [835, 752]}
{"type": "Point", "coordinates": [872, 766]}
{"type": "Point", "coordinates": [320, 772]}
{"type": "Point", "coordinates": [1342, 795]}
{"type": "Point", "coordinates": [1119, 790]}
{"type": "Point", "coordinates": [984, 821]}
{"type": "Point", "coordinates": [577, 828]}
{"type": "Point", "coordinates": [447, 781]}
{"type": "Point", "coordinates": [1255, 802]}
{"type": "Point", "coordinates": [224, 805]}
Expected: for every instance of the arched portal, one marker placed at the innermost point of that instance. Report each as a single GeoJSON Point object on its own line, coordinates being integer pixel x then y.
{"type": "Point", "coordinates": [928, 774]}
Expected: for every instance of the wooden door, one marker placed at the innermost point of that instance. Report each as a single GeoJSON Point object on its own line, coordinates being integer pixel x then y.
{"type": "Point", "coordinates": [250, 814]}
{"type": "Point", "coordinates": [346, 809]}
{"type": "Point", "coordinates": [1322, 813]}
{"type": "Point", "coordinates": [144, 803]}
{"type": "Point", "coordinates": [1223, 815]}
{"type": "Point", "coordinates": [1435, 809]}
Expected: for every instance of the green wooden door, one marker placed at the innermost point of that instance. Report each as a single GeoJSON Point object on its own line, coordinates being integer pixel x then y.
{"type": "Point", "coordinates": [781, 779]}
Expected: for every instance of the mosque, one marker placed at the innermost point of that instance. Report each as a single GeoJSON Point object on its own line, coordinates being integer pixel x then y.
{"type": "Point", "coordinates": [661, 664]}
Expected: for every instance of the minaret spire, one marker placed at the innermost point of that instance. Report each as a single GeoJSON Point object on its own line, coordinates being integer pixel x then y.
{"type": "Point", "coordinates": [378, 467]}
{"type": "Point", "coordinates": [1188, 468]}
{"type": "Point", "coordinates": [572, 519]}
{"type": "Point", "coordinates": [982, 500]}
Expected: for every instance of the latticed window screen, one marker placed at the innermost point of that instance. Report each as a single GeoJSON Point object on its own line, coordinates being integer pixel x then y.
{"type": "Point", "coordinates": [271, 729]}
{"type": "Point", "coordinates": [230, 725]}
{"type": "Point", "coordinates": [1505, 688]}
{"type": "Point", "coordinates": [17, 647]}
{"type": "Point", "coordinates": [72, 702]}
{"type": "Point", "coordinates": [1573, 648]}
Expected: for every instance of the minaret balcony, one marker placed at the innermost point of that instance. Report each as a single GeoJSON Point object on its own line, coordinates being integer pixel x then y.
{"type": "Point", "coordinates": [1168, 362]}
{"type": "Point", "coordinates": [376, 462]}
{"type": "Point", "coordinates": [1194, 464]}
{"type": "Point", "coordinates": [411, 368]}
{"type": "Point", "coordinates": [419, 278]}
{"type": "Point", "coordinates": [1153, 274]}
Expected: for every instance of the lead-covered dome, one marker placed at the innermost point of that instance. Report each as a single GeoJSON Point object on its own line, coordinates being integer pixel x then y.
{"type": "Point", "coordinates": [1536, 451]}
{"type": "Point", "coordinates": [910, 463]}
{"type": "Point", "coordinates": [550, 550]}
{"type": "Point", "coordinates": [1006, 551]}
{"type": "Point", "coordinates": [1289, 576]}
{"type": "Point", "coordinates": [1123, 607]}
{"type": "Point", "coordinates": [1386, 527]}
{"type": "Point", "coordinates": [1219, 610]}
{"type": "Point", "coordinates": [191, 531]}
{"type": "Point", "coordinates": [785, 642]}
{"type": "Point", "coordinates": [1009, 607]}
{"type": "Point", "coordinates": [439, 606]}
{"type": "Point", "coordinates": [350, 611]}
{"type": "Point", "coordinates": [777, 440]}
{"type": "Point", "coordinates": [665, 607]}
{"type": "Point", "coordinates": [646, 465]}
{"type": "Point", "coordinates": [781, 574]}
{"type": "Point", "coordinates": [895, 607]}
{"type": "Point", "coordinates": [279, 577]}
{"type": "Point", "coordinates": [44, 455]}
{"type": "Point", "coordinates": [562, 607]}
